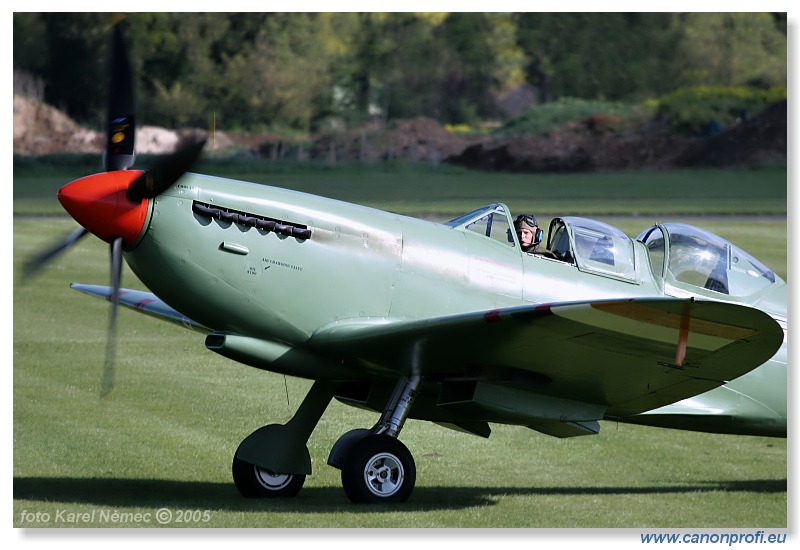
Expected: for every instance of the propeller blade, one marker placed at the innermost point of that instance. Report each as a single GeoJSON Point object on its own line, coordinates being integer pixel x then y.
{"type": "Point", "coordinates": [119, 154]}
{"type": "Point", "coordinates": [107, 383]}
{"type": "Point", "coordinates": [165, 172]}
{"type": "Point", "coordinates": [35, 264]}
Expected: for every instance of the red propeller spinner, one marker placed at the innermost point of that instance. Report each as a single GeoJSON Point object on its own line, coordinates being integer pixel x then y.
{"type": "Point", "coordinates": [100, 204]}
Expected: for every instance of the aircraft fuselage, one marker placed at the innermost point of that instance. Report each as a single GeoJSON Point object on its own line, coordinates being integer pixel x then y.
{"type": "Point", "coordinates": [278, 265]}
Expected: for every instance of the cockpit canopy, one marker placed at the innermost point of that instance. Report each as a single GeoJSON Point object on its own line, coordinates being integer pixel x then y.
{"type": "Point", "coordinates": [687, 255]}
{"type": "Point", "coordinates": [593, 246]}
{"type": "Point", "coordinates": [684, 257]}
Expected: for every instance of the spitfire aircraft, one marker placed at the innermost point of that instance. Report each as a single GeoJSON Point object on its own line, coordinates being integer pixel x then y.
{"type": "Point", "coordinates": [447, 322]}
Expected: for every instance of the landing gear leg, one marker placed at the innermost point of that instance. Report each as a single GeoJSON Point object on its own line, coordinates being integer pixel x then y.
{"type": "Point", "coordinates": [376, 466]}
{"type": "Point", "coordinates": [274, 461]}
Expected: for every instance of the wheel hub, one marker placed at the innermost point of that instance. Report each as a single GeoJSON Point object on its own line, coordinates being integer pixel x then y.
{"type": "Point", "coordinates": [384, 474]}
{"type": "Point", "coordinates": [270, 480]}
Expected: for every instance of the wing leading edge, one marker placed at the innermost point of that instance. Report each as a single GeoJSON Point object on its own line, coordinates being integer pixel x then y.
{"type": "Point", "coordinates": [622, 356]}
{"type": "Point", "coordinates": [143, 302]}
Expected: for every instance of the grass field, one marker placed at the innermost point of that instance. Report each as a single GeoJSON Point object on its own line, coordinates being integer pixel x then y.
{"type": "Point", "coordinates": [448, 191]}
{"type": "Point", "coordinates": [165, 438]}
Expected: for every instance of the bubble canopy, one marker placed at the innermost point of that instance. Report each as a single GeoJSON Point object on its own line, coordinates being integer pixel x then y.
{"type": "Point", "coordinates": [693, 256]}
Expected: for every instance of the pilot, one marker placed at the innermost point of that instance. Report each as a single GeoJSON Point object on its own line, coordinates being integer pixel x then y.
{"type": "Point", "coordinates": [530, 236]}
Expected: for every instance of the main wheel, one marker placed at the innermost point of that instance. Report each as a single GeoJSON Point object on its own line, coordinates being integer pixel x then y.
{"type": "Point", "coordinates": [256, 482]}
{"type": "Point", "coordinates": [378, 469]}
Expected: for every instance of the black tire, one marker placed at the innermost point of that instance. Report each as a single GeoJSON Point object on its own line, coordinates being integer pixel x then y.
{"type": "Point", "coordinates": [255, 482]}
{"type": "Point", "coordinates": [378, 469]}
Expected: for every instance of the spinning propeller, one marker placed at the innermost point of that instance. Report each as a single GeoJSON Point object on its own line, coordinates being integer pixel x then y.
{"type": "Point", "coordinates": [113, 204]}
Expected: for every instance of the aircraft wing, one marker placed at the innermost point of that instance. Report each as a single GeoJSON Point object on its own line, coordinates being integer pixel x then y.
{"type": "Point", "coordinates": [143, 302]}
{"type": "Point", "coordinates": [622, 356]}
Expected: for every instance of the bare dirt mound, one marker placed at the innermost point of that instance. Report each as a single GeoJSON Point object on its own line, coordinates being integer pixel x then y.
{"type": "Point", "coordinates": [40, 129]}
{"type": "Point", "coordinates": [756, 141]}
{"type": "Point", "coordinates": [573, 152]}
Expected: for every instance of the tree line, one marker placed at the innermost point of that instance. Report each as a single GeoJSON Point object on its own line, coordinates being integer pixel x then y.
{"type": "Point", "coordinates": [311, 71]}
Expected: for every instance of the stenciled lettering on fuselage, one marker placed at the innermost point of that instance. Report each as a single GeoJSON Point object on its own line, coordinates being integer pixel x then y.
{"type": "Point", "coordinates": [269, 262]}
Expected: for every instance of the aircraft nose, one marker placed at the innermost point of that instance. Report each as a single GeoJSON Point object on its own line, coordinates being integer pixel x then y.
{"type": "Point", "coordinates": [98, 202]}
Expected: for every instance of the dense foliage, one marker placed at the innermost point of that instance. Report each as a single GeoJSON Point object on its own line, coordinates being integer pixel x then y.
{"type": "Point", "coordinates": [301, 71]}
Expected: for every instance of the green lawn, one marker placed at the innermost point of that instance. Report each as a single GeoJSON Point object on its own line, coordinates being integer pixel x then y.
{"type": "Point", "coordinates": [165, 438]}
{"type": "Point", "coordinates": [449, 191]}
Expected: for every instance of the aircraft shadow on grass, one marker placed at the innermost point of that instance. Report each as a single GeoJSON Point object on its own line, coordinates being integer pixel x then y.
{"type": "Point", "coordinates": [221, 496]}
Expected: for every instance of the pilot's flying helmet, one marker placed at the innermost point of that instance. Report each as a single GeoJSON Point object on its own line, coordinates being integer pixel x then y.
{"type": "Point", "coordinates": [528, 221]}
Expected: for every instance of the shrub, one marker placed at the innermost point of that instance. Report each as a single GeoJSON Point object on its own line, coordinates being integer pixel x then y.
{"type": "Point", "coordinates": [547, 118]}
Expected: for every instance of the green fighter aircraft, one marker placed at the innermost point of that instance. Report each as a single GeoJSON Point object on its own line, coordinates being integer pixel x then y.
{"type": "Point", "coordinates": [447, 322]}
